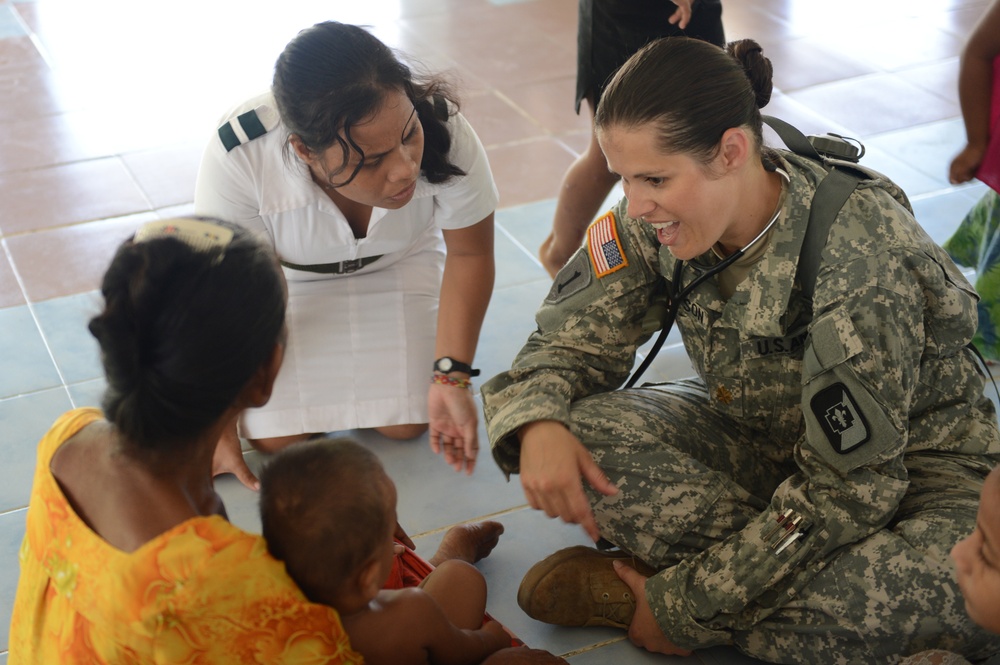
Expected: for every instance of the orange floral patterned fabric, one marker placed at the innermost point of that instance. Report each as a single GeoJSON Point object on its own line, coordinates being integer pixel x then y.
{"type": "Point", "coordinates": [203, 592]}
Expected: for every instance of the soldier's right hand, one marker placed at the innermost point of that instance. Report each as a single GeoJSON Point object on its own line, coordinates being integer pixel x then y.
{"type": "Point", "coordinates": [553, 464]}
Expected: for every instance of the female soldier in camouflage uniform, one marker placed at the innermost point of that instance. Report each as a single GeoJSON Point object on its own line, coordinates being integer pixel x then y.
{"type": "Point", "coordinates": [797, 498]}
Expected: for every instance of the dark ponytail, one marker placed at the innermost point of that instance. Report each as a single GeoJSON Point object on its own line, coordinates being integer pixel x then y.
{"type": "Point", "coordinates": [692, 91]}
{"type": "Point", "coordinates": [182, 332]}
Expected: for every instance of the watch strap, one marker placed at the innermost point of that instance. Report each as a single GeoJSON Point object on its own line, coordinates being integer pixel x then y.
{"type": "Point", "coordinates": [447, 364]}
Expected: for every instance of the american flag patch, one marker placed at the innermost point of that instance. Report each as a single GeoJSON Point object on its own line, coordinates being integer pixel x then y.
{"type": "Point", "coordinates": [605, 248]}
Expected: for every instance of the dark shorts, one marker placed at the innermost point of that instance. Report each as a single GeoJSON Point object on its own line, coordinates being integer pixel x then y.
{"type": "Point", "coordinates": [610, 31]}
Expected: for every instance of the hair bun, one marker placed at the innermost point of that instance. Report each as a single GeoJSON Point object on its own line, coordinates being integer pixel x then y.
{"type": "Point", "coordinates": [182, 331]}
{"type": "Point", "coordinates": [756, 66]}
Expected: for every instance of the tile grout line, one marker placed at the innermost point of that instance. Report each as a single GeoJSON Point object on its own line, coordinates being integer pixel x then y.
{"type": "Point", "coordinates": [519, 245]}
{"type": "Point", "coordinates": [481, 518]}
{"type": "Point", "coordinates": [34, 317]}
{"type": "Point", "coordinates": [594, 647]}
{"type": "Point", "coordinates": [33, 36]}
{"type": "Point", "coordinates": [10, 511]}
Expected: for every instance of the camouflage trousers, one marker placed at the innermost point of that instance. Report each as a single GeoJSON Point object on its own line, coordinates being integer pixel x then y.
{"type": "Point", "coordinates": [689, 476]}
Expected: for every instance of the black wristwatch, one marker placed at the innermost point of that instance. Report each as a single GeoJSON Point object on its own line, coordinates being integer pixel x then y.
{"type": "Point", "coordinates": [446, 364]}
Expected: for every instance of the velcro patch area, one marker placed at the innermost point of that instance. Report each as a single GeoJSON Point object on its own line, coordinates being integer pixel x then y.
{"type": "Point", "coordinates": [572, 279]}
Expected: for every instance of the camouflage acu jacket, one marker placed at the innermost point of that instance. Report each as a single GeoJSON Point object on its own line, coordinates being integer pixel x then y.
{"type": "Point", "coordinates": [871, 373]}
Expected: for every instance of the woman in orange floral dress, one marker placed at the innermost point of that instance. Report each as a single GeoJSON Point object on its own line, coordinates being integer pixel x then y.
{"type": "Point", "coordinates": [128, 556]}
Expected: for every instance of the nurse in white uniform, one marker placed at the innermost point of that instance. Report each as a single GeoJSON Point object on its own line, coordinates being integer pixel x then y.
{"type": "Point", "coordinates": [379, 200]}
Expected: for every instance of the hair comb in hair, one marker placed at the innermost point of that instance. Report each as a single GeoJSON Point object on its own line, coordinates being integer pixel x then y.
{"type": "Point", "coordinates": [200, 235]}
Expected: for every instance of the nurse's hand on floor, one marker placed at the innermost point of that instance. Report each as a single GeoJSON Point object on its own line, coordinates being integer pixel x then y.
{"type": "Point", "coordinates": [453, 422]}
{"type": "Point", "coordinates": [228, 458]}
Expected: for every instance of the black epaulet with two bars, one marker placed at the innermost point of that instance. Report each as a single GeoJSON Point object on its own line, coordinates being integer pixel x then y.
{"type": "Point", "coordinates": [244, 127]}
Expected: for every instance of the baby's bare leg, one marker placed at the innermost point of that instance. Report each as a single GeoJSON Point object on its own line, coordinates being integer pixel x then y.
{"type": "Point", "coordinates": [460, 590]}
{"type": "Point", "coordinates": [468, 542]}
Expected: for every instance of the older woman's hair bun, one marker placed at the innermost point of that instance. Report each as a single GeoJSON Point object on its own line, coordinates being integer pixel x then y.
{"type": "Point", "coordinates": [185, 325]}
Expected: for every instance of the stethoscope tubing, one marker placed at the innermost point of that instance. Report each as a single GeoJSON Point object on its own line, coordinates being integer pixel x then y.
{"type": "Point", "coordinates": [679, 295]}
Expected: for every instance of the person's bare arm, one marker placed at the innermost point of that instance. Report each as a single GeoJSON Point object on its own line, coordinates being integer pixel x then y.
{"type": "Point", "coordinates": [466, 288]}
{"type": "Point", "coordinates": [975, 82]}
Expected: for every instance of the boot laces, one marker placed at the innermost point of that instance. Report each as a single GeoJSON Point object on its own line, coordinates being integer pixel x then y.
{"type": "Point", "coordinates": [618, 610]}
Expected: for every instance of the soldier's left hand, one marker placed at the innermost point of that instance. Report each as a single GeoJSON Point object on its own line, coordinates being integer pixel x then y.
{"type": "Point", "coordinates": [644, 631]}
{"type": "Point", "coordinates": [453, 421]}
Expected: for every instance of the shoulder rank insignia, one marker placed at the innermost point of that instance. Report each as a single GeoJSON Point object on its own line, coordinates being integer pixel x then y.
{"type": "Point", "coordinates": [604, 246]}
{"type": "Point", "coordinates": [244, 127]}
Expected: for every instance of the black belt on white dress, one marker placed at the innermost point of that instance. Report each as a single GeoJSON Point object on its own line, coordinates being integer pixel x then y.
{"type": "Point", "coordinates": [339, 268]}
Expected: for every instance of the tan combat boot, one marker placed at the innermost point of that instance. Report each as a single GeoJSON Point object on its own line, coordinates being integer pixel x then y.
{"type": "Point", "coordinates": [578, 586]}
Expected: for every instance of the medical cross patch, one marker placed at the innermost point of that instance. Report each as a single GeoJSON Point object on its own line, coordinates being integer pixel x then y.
{"type": "Point", "coordinates": [840, 418]}
{"type": "Point", "coordinates": [605, 247]}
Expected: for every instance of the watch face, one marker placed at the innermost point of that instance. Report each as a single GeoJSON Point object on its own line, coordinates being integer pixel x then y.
{"type": "Point", "coordinates": [444, 364]}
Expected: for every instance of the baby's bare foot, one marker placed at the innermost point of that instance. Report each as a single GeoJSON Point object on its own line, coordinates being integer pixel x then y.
{"type": "Point", "coordinates": [468, 542]}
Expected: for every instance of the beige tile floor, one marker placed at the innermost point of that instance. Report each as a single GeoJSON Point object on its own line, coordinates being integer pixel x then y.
{"type": "Point", "coordinates": [105, 106]}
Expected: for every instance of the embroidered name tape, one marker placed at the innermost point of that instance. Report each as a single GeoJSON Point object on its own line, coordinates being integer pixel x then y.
{"type": "Point", "coordinates": [605, 247]}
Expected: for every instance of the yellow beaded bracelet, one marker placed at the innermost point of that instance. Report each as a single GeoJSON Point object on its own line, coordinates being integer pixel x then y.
{"type": "Point", "coordinates": [446, 380]}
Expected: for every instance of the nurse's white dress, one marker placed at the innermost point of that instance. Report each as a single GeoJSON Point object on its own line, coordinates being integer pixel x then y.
{"type": "Point", "coordinates": [361, 332]}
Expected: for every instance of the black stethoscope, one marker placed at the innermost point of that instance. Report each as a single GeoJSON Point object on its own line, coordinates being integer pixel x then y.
{"type": "Point", "coordinates": [678, 295]}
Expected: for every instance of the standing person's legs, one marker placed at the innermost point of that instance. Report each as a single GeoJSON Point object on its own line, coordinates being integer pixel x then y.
{"type": "Point", "coordinates": [607, 35]}
{"type": "Point", "coordinates": [584, 187]}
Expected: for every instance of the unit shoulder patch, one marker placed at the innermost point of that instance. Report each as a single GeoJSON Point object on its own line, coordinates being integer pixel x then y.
{"type": "Point", "coordinates": [245, 127]}
{"type": "Point", "coordinates": [840, 418]}
{"type": "Point", "coordinates": [605, 247]}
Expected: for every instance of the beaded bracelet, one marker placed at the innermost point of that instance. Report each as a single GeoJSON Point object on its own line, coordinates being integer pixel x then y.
{"type": "Point", "coordinates": [446, 380]}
